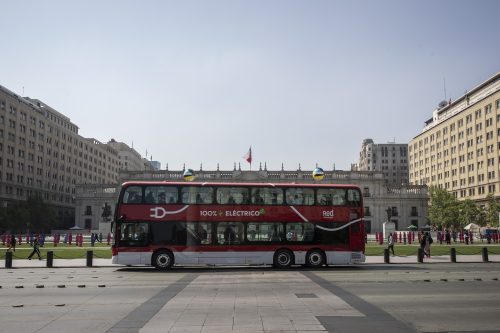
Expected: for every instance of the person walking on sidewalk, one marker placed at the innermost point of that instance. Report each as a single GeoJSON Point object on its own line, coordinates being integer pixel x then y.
{"type": "Point", "coordinates": [426, 244]}
{"type": "Point", "coordinates": [35, 250]}
{"type": "Point", "coordinates": [390, 243]}
{"type": "Point", "coordinates": [12, 244]}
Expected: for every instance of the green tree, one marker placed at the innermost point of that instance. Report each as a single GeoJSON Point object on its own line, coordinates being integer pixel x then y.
{"type": "Point", "coordinates": [33, 214]}
{"type": "Point", "coordinates": [492, 210]}
{"type": "Point", "coordinates": [469, 213]}
{"type": "Point", "coordinates": [443, 209]}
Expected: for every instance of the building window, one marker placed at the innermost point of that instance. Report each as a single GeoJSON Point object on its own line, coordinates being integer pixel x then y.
{"type": "Point", "coordinates": [367, 211]}
{"type": "Point", "coordinates": [414, 211]}
{"type": "Point", "coordinates": [88, 211]}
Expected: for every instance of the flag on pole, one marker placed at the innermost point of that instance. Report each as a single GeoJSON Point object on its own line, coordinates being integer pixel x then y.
{"type": "Point", "coordinates": [248, 155]}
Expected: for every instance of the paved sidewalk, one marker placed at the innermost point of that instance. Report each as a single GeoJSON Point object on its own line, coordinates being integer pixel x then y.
{"type": "Point", "coordinates": [97, 262]}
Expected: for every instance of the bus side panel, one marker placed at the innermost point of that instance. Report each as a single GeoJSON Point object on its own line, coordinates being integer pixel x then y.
{"type": "Point", "coordinates": [146, 258]}
{"type": "Point", "coordinates": [128, 258]}
{"type": "Point", "coordinates": [187, 257]}
{"type": "Point", "coordinates": [344, 257]}
{"type": "Point", "coordinates": [300, 257]}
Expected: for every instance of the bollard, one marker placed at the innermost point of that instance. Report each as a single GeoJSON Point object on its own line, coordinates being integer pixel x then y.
{"type": "Point", "coordinates": [386, 256]}
{"type": "Point", "coordinates": [453, 255]}
{"type": "Point", "coordinates": [420, 255]}
{"type": "Point", "coordinates": [8, 259]}
{"type": "Point", "coordinates": [90, 255]}
{"type": "Point", "coordinates": [485, 254]}
{"type": "Point", "coordinates": [50, 259]}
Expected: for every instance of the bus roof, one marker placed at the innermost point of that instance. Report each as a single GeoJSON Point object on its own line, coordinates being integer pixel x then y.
{"type": "Point", "coordinates": [228, 184]}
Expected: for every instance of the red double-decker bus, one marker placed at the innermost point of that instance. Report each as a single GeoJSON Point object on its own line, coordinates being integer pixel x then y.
{"type": "Point", "coordinates": [178, 223]}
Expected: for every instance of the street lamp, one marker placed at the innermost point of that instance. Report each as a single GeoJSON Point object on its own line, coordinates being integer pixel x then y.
{"type": "Point", "coordinates": [389, 213]}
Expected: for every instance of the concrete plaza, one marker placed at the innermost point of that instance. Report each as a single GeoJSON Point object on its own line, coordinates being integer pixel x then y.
{"type": "Point", "coordinates": [373, 297]}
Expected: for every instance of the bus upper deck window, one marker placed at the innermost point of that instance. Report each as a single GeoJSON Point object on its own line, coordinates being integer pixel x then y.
{"type": "Point", "coordinates": [232, 195]}
{"type": "Point", "coordinates": [267, 196]}
{"type": "Point", "coordinates": [300, 196]}
{"type": "Point", "coordinates": [353, 197]}
{"type": "Point", "coordinates": [331, 197]}
{"type": "Point", "coordinates": [133, 194]}
{"type": "Point", "coordinates": [161, 194]}
{"type": "Point", "coordinates": [197, 195]}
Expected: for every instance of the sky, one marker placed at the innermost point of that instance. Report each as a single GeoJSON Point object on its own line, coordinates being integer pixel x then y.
{"type": "Point", "coordinates": [199, 82]}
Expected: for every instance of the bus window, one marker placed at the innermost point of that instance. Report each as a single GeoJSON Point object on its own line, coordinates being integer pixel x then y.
{"type": "Point", "coordinates": [267, 196]}
{"type": "Point", "coordinates": [197, 195]}
{"type": "Point", "coordinates": [300, 196]}
{"type": "Point", "coordinates": [199, 233]}
{"type": "Point", "coordinates": [169, 233]}
{"type": "Point", "coordinates": [151, 195]}
{"type": "Point", "coordinates": [133, 194]}
{"type": "Point", "coordinates": [134, 234]}
{"type": "Point", "coordinates": [167, 194]}
{"type": "Point", "coordinates": [299, 232]}
{"type": "Point", "coordinates": [232, 195]}
{"type": "Point", "coordinates": [265, 232]}
{"type": "Point", "coordinates": [331, 197]}
{"type": "Point", "coordinates": [328, 237]}
{"type": "Point", "coordinates": [353, 197]}
{"type": "Point", "coordinates": [229, 233]}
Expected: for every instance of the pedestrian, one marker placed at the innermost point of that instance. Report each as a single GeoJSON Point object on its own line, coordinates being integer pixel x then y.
{"type": "Point", "coordinates": [466, 237]}
{"type": "Point", "coordinates": [92, 239]}
{"type": "Point", "coordinates": [426, 244]}
{"type": "Point", "coordinates": [35, 250]}
{"type": "Point", "coordinates": [448, 237]}
{"type": "Point", "coordinates": [12, 244]}
{"type": "Point", "coordinates": [390, 243]}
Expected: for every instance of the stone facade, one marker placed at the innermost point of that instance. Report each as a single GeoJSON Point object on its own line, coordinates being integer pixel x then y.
{"type": "Point", "coordinates": [128, 158]}
{"type": "Point", "coordinates": [459, 149]}
{"type": "Point", "coordinates": [389, 158]}
{"type": "Point", "coordinates": [42, 154]}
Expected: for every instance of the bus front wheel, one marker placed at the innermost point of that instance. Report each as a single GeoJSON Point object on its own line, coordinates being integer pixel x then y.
{"type": "Point", "coordinates": [163, 259]}
{"type": "Point", "coordinates": [283, 258]}
{"type": "Point", "coordinates": [315, 258]}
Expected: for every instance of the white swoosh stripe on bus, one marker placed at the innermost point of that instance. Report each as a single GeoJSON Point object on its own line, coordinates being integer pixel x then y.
{"type": "Point", "coordinates": [325, 228]}
{"type": "Point", "coordinates": [177, 211]}
{"type": "Point", "coordinates": [297, 212]}
{"type": "Point", "coordinates": [341, 227]}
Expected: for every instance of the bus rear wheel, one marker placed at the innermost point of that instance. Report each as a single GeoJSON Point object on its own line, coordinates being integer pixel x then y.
{"type": "Point", "coordinates": [283, 258]}
{"type": "Point", "coordinates": [163, 259]}
{"type": "Point", "coordinates": [315, 258]}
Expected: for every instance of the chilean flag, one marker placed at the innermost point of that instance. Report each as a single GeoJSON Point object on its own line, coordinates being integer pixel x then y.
{"type": "Point", "coordinates": [248, 155]}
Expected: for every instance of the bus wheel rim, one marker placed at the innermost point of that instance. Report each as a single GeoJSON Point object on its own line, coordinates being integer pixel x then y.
{"type": "Point", "coordinates": [283, 258]}
{"type": "Point", "coordinates": [163, 260]}
{"type": "Point", "coordinates": [315, 258]}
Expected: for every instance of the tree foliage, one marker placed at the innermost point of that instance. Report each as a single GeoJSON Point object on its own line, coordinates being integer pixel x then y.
{"type": "Point", "coordinates": [446, 211]}
{"type": "Point", "coordinates": [492, 211]}
{"type": "Point", "coordinates": [33, 214]}
{"type": "Point", "coordinates": [443, 210]}
{"type": "Point", "coordinates": [469, 213]}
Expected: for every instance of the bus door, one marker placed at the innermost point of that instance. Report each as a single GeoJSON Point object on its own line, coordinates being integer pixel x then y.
{"type": "Point", "coordinates": [223, 238]}
{"type": "Point", "coordinates": [198, 241]}
{"type": "Point", "coordinates": [135, 237]}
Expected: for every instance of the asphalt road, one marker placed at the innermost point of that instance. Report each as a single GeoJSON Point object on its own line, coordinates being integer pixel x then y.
{"type": "Point", "coordinates": [367, 298]}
